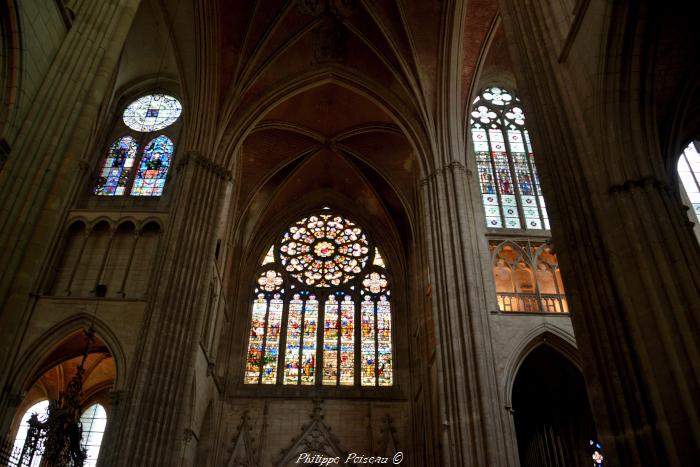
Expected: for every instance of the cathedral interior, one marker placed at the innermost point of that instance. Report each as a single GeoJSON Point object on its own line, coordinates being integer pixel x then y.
{"type": "Point", "coordinates": [270, 233]}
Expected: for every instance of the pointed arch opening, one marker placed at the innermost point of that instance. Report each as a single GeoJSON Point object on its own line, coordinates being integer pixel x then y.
{"type": "Point", "coordinates": [321, 308]}
{"type": "Point", "coordinates": [551, 412]}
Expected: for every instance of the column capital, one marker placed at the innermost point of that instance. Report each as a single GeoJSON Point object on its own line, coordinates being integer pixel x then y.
{"type": "Point", "coordinates": [452, 166]}
{"type": "Point", "coordinates": [196, 157]}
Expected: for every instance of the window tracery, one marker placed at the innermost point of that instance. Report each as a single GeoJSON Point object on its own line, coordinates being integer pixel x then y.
{"type": "Point", "coordinates": [527, 278]}
{"type": "Point", "coordinates": [123, 171]}
{"type": "Point", "coordinates": [508, 178]}
{"type": "Point", "coordinates": [321, 313]}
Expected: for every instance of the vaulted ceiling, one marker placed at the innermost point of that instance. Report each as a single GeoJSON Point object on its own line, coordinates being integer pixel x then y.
{"type": "Point", "coordinates": [307, 96]}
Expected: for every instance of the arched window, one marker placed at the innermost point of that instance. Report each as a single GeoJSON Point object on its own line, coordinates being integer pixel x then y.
{"type": "Point", "coordinates": [40, 408]}
{"type": "Point", "coordinates": [510, 187]}
{"type": "Point", "coordinates": [150, 178]}
{"type": "Point", "coordinates": [689, 173]}
{"type": "Point", "coordinates": [125, 169]}
{"type": "Point", "coordinates": [321, 308]}
{"type": "Point", "coordinates": [94, 420]}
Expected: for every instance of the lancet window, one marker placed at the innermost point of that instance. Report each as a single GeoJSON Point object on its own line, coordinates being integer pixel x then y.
{"type": "Point", "coordinates": [94, 421]}
{"type": "Point", "coordinates": [321, 311]}
{"type": "Point", "coordinates": [510, 186]}
{"type": "Point", "coordinates": [527, 277]}
{"type": "Point", "coordinates": [138, 160]}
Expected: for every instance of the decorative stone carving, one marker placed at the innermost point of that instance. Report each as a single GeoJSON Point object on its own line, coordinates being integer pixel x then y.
{"type": "Point", "coordinates": [387, 442]}
{"type": "Point", "coordinates": [243, 452]}
{"type": "Point", "coordinates": [316, 438]}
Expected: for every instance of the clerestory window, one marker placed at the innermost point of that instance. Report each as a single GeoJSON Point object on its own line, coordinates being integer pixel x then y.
{"type": "Point", "coordinates": [510, 186]}
{"type": "Point", "coordinates": [137, 162]}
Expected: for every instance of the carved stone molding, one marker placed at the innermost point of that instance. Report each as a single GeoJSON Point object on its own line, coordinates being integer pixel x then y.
{"type": "Point", "coordinates": [643, 182]}
{"type": "Point", "coordinates": [316, 438]}
{"type": "Point", "coordinates": [387, 443]}
{"type": "Point", "coordinates": [453, 166]}
{"type": "Point", "coordinates": [197, 158]}
{"type": "Point", "coordinates": [242, 452]}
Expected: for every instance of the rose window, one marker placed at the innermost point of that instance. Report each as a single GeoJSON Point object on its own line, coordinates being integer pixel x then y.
{"type": "Point", "coordinates": [324, 250]}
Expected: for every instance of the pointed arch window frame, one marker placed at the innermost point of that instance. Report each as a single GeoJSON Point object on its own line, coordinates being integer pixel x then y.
{"type": "Point", "coordinates": [505, 118]}
{"type": "Point", "coordinates": [142, 139]}
{"type": "Point", "coordinates": [292, 286]}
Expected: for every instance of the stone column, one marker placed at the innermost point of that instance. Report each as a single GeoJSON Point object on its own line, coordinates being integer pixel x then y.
{"type": "Point", "coordinates": [152, 431]}
{"type": "Point", "coordinates": [629, 258]}
{"type": "Point", "coordinates": [38, 180]}
{"type": "Point", "coordinates": [470, 421]}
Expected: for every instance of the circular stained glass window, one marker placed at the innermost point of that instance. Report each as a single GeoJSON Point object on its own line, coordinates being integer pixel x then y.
{"type": "Point", "coordinates": [152, 112]}
{"type": "Point", "coordinates": [324, 250]}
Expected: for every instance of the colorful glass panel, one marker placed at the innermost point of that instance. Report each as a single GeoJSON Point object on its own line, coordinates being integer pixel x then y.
{"type": "Point", "coordinates": [284, 329]}
{"type": "Point", "coordinates": [369, 342]}
{"type": "Point", "coordinates": [308, 355]}
{"type": "Point", "coordinates": [384, 358]}
{"type": "Point", "coordinates": [375, 282]}
{"type": "Point", "coordinates": [347, 341]}
{"type": "Point", "coordinates": [153, 170]}
{"type": "Point", "coordinates": [506, 167]}
{"type": "Point", "coordinates": [292, 354]}
{"type": "Point", "coordinates": [272, 337]}
{"type": "Point", "coordinates": [596, 453]}
{"type": "Point", "coordinates": [114, 175]}
{"type": "Point", "coordinates": [255, 340]}
{"type": "Point", "coordinates": [152, 112]}
{"type": "Point", "coordinates": [324, 250]}
{"type": "Point", "coordinates": [330, 342]}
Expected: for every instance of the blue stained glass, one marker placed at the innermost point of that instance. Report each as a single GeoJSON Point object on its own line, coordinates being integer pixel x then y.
{"type": "Point", "coordinates": [114, 175]}
{"type": "Point", "coordinates": [153, 170]}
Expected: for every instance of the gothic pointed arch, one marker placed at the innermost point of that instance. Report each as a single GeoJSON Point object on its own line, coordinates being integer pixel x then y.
{"type": "Point", "coordinates": [315, 441]}
{"type": "Point", "coordinates": [321, 305]}
{"type": "Point", "coordinates": [508, 177]}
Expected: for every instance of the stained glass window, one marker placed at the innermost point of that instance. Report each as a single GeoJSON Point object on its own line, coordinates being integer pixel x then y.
{"type": "Point", "coordinates": [152, 113]}
{"type": "Point", "coordinates": [150, 178]}
{"type": "Point", "coordinates": [596, 453]}
{"type": "Point", "coordinates": [94, 420]}
{"type": "Point", "coordinates": [114, 175]}
{"type": "Point", "coordinates": [133, 166]}
{"type": "Point", "coordinates": [689, 173]}
{"type": "Point", "coordinates": [319, 272]}
{"type": "Point", "coordinates": [510, 187]}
